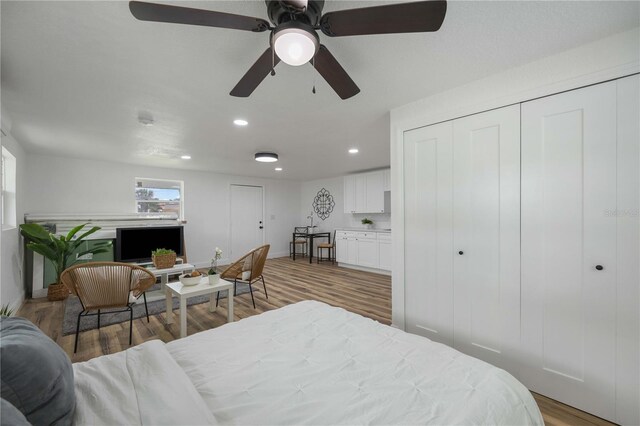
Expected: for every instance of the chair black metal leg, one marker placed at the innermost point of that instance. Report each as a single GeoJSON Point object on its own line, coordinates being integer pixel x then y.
{"type": "Point", "coordinates": [146, 308]}
{"type": "Point", "coordinates": [235, 286]}
{"type": "Point", "coordinates": [130, 324]}
{"type": "Point", "coordinates": [218, 298]}
{"type": "Point", "coordinates": [252, 299]}
{"type": "Point", "coordinates": [265, 287]}
{"type": "Point", "coordinates": [75, 346]}
{"type": "Point", "coordinates": [98, 319]}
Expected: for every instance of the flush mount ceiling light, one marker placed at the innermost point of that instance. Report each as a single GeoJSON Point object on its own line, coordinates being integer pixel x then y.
{"type": "Point", "coordinates": [240, 122]}
{"type": "Point", "coordinates": [186, 157]}
{"type": "Point", "coordinates": [278, 169]}
{"type": "Point", "coordinates": [353, 151]}
{"type": "Point", "coordinates": [266, 157]}
{"type": "Point", "coordinates": [295, 43]}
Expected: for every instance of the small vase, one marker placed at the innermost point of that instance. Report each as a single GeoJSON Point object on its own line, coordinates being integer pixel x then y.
{"type": "Point", "coordinates": [213, 279]}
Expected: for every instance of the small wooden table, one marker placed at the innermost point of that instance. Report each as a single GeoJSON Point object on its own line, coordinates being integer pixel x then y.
{"type": "Point", "coordinates": [310, 237]}
{"type": "Point", "coordinates": [183, 292]}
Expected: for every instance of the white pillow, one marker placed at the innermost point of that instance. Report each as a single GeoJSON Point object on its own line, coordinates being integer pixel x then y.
{"type": "Point", "coordinates": [246, 275]}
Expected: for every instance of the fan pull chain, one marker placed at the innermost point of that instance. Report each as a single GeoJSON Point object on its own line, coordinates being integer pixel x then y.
{"type": "Point", "coordinates": [273, 61]}
{"type": "Point", "coordinates": [313, 63]}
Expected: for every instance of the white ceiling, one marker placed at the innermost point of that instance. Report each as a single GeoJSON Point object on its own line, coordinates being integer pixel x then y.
{"type": "Point", "coordinates": [76, 75]}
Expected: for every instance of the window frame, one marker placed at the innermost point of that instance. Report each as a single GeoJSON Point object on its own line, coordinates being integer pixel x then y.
{"type": "Point", "coordinates": [173, 181]}
{"type": "Point", "coordinates": [8, 157]}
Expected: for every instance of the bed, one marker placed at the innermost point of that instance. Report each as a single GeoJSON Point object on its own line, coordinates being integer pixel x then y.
{"type": "Point", "coordinates": [306, 363]}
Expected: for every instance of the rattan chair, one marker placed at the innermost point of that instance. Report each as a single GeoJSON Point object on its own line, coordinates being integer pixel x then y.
{"type": "Point", "coordinates": [107, 285]}
{"type": "Point", "coordinates": [247, 269]}
{"type": "Point", "coordinates": [299, 240]}
{"type": "Point", "coordinates": [331, 246]}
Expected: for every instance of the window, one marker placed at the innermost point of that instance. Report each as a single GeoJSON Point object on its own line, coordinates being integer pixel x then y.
{"type": "Point", "coordinates": [8, 190]}
{"type": "Point", "coordinates": [159, 196]}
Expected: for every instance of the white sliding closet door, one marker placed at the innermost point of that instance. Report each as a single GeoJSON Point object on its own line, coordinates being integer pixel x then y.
{"type": "Point", "coordinates": [428, 163]}
{"type": "Point", "coordinates": [569, 247]}
{"type": "Point", "coordinates": [486, 229]}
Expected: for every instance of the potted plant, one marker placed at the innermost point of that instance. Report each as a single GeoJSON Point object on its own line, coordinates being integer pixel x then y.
{"type": "Point", "coordinates": [368, 223]}
{"type": "Point", "coordinates": [163, 258]}
{"type": "Point", "coordinates": [213, 270]}
{"type": "Point", "coordinates": [60, 249]}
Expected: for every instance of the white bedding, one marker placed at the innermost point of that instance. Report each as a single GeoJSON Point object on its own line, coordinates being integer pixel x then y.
{"type": "Point", "coordinates": [310, 363]}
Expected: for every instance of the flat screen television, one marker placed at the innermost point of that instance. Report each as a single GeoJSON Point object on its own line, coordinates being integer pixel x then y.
{"type": "Point", "coordinates": [136, 244]}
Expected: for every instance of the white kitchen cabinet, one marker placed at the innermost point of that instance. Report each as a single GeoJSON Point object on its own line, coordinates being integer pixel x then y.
{"type": "Point", "coordinates": [341, 247]}
{"type": "Point", "coordinates": [363, 248]}
{"type": "Point", "coordinates": [374, 199]}
{"type": "Point", "coordinates": [350, 194]}
{"type": "Point", "coordinates": [364, 192]}
{"type": "Point", "coordinates": [569, 247]}
{"type": "Point", "coordinates": [367, 250]}
{"type": "Point", "coordinates": [386, 178]}
{"type": "Point", "coordinates": [384, 251]}
{"type": "Point", "coordinates": [486, 235]}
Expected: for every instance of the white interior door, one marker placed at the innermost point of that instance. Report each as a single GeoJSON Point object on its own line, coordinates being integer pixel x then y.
{"type": "Point", "coordinates": [428, 197]}
{"type": "Point", "coordinates": [569, 247]}
{"type": "Point", "coordinates": [247, 226]}
{"type": "Point", "coordinates": [486, 235]}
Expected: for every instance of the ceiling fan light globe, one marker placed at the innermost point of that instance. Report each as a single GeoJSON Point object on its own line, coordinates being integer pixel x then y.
{"type": "Point", "coordinates": [295, 46]}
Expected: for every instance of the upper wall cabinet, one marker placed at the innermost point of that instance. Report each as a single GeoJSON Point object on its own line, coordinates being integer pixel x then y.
{"type": "Point", "coordinates": [364, 192]}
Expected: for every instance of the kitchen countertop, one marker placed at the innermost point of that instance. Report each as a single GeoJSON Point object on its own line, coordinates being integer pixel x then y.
{"type": "Point", "coordinates": [388, 231]}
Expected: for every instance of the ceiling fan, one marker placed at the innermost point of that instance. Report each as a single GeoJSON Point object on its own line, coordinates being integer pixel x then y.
{"type": "Point", "coordinates": [294, 38]}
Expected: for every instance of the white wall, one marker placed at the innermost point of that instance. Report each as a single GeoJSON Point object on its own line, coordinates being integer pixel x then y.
{"type": "Point", "coordinates": [66, 185]}
{"type": "Point", "coordinates": [602, 60]}
{"type": "Point", "coordinates": [11, 284]}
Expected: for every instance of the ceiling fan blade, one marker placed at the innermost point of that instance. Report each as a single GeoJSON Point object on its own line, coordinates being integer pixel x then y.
{"type": "Point", "coordinates": [334, 74]}
{"type": "Point", "coordinates": [256, 74]}
{"type": "Point", "coordinates": [185, 15]}
{"type": "Point", "coordinates": [421, 16]}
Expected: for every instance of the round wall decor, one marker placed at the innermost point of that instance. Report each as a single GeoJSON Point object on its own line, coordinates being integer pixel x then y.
{"type": "Point", "coordinates": [323, 204]}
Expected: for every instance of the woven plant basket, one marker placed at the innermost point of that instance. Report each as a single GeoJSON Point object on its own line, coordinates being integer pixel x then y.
{"type": "Point", "coordinates": [57, 292]}
{"type": "Point", "coordinates": [164, 261]}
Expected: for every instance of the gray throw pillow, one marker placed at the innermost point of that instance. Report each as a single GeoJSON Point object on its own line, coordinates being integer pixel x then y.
{"type": "Point", "coordinates": [10, 415]}
{"type": "Point", "coordinates": [37, 377]}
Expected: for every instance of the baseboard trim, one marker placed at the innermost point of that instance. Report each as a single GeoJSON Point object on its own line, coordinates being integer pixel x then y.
{"type": "Point", "coordinates": [365, 269]}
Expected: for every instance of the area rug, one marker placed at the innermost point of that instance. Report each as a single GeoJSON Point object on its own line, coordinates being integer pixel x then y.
{"type": "Point", "coordinates": [73, 307]}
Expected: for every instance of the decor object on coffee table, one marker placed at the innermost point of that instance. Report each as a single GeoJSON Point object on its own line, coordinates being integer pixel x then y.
{"type": "Point", "coordinates": [60, 250]}
{"type": "Point", "coordinates": [163, 258]}
{"type": "Point", "coordinates": [214, 261]}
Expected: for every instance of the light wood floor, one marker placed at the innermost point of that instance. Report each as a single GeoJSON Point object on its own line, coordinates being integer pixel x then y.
{"type": "Point", "coordinates": [288, 282]}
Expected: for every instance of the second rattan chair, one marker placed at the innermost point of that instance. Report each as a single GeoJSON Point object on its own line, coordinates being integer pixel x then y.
{"type": "Point", "coordinates": [247, 269]}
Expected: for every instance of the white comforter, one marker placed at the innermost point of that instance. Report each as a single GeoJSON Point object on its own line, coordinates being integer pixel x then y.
{"type": "Point", "coordinates": [307, 363]}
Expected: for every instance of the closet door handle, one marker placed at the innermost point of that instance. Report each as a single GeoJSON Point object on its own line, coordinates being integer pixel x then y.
{"type": "Point", "coordinates": [460, 252]}
{"type": "Point", "coordinates": [599, 267]}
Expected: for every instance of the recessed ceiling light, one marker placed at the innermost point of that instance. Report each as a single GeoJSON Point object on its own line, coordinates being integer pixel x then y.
{"type": "Point", "coordinates": [186, 157]}
{"type": "Point", "coordinates": [353, 151]}
{"type": "Point", "coordinates": [266, 157]}
{"type": "Point", "coordinates": [278, 169]}
{"type": "Point", "coordinates": [240, 122]}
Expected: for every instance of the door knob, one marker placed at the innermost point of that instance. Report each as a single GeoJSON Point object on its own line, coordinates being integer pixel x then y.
{"type": "Point", "coordinates": [599, 267]}
{"type": "Point", "coordinates": [261, 227]}
{"type": "Point", "coordinates": [460, 252]}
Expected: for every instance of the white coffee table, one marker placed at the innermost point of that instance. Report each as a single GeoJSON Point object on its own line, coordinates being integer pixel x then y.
{"type": "Point", "coordinates": [183, 292]}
